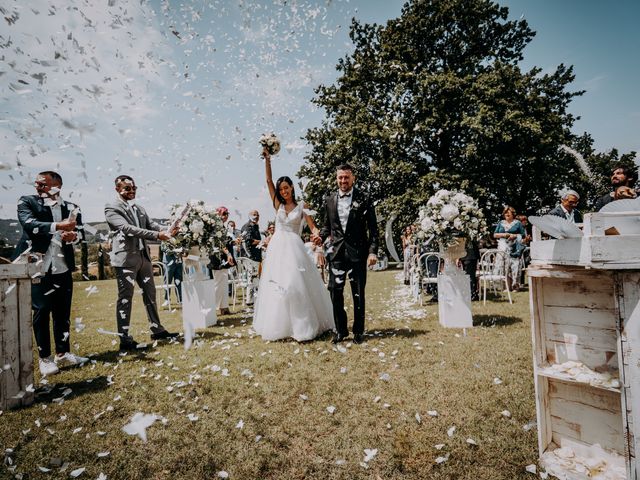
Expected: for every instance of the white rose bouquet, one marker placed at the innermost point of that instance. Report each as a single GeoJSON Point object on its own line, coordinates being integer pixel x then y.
{"type": "Point", "coordinates": [201, 227]}
{"type": "Point", "coordinates": [271, 142]}
{"type": "Point", "coordinates": [449, 215]}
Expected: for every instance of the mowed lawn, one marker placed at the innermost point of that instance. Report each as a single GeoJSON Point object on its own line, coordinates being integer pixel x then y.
{"type": "Point", "coordinates": [234, 405]}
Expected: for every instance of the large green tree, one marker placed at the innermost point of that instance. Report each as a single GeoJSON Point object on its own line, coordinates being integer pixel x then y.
{"type": "Point", "coordinates": [436, 99]}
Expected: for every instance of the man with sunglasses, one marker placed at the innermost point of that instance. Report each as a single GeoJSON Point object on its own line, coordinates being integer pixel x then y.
{"type": "Point", "coordinates": [51, 226]}
{"type": "Point", "coordinates": [130, 228]}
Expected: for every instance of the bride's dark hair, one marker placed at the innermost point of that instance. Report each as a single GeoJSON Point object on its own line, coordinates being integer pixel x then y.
{"type": "Point", "coordinates": [284, 179]}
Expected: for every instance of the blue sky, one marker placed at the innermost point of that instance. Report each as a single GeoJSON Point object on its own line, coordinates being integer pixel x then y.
{"type": "Point", "coordinates": [177, 93]}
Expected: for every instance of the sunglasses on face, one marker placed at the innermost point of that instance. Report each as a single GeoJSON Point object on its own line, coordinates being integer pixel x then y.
{"type": "Point", "coordinates": [129, 188]}
{"type": "Point", "coordinates": [40, 184]}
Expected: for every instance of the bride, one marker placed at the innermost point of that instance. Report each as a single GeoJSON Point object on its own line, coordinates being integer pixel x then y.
{"type": "Point", "coordinates": [292, 300]}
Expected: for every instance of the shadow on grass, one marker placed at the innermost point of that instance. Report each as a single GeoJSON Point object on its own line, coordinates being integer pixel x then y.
{"type": "Point", "coordinates": [114, 356]}
{"type": "Point", "coordinates": [395, 332]}
{"type": "Point", "coordinates": [66, 391]}
{"type": "Point", "coordinates": [494, 320]}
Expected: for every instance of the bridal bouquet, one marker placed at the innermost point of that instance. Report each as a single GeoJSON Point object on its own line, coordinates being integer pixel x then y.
{"type": "Point", "coordinates": [271, 142]}
{"type": "Point", "coordinates": [449, 215]}
{"type": "Point", "coordinates": [200, 227]}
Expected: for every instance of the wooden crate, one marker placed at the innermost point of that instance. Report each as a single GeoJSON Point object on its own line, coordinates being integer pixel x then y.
{"type": "Point", "coordinates": [590, 316]}
{"type": "Point", "coordinates": [16, 335]}
{"type": "Point", "coordinates": [598, 248]}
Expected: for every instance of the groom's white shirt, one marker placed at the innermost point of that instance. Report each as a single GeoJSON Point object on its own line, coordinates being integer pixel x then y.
{"type": "Point", "coordinates": [344, 206]}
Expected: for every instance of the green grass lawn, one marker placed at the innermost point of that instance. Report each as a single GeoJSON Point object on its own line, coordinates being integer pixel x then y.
{"type": "Point", "coordinates": [262, 408]}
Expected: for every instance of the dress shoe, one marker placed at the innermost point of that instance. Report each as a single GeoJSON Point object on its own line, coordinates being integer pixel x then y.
{"type": "Point", "coordinates": [128, 345]}
{"type": "Point", "coordinates": [164, 335]}
{"type": "Point", "coordinates": [225, 311]}
{"type": "Point", "coordinates": [433, 299]}
{"type": "Point", "coordinates": [358, 338]}
{"type": "Point", "coordinates": [338, 337]}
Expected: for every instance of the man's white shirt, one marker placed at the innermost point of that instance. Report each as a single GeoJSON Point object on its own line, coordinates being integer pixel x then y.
{"type": "Point", "coordinates": [344, 206]}
{"type": "Point", "coordinates": [54, 258]}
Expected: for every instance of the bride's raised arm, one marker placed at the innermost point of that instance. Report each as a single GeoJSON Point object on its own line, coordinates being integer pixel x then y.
{"type": "Point", "coordinates": [269, 175]}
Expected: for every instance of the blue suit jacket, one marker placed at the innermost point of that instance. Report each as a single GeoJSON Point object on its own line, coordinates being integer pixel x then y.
{"type": "Point", "coordinates": [36, 219]}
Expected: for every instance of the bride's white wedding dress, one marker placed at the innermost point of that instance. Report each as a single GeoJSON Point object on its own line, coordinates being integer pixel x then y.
{"type": "Point", "coordinates": [292, 300]}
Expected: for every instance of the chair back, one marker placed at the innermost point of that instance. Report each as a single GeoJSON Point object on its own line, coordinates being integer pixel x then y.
{"type": "Point", "coordinates": [430, 259]}
{"type": "Point", "coordinates": [494, 263]}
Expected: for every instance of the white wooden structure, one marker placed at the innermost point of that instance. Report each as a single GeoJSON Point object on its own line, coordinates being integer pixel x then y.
{"type": "Point", "coordinates": [585, 310]}
{"type": "Point", "coordinates": [16, 335]}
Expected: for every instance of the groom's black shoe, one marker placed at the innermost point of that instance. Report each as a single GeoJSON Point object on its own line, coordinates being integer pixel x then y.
{"type": "Point", "coordinates": [164, 335]}
{"type": "Point", "coordinates": [338, 337]}
{"type": "Point", "coordinates": [358, 338]}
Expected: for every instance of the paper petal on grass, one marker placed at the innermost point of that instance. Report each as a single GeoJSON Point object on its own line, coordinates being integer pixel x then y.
{"type": "Point", "coordinates": [304, 397]}
{"type": "Point", "coordinates": [440, 460]}
{"type": "Point", "coordinates": [418, 418]}
{"type": "Point", "coordinates": [139, 423]}
{"type": "Point", "coordinates": [451, 431]}
{"type": "Point", "coordinates": [471, 441]}
{"type": "Point", "coordinates": [103, 454]}
{"type": "Point", "coordinates": [497, 381]}
{"type": "Point", "coordinates": [331, 409]}
{"type": "Point", "coordinates": [223, 474]}
{"type": "Point", "coordinates": [385, 377]}
{"type": "Point", "coordinates": [240, 424]}
{"type": "Point", "coordinates": [369, 453]}
{"type": "Point", "coordinates": [432, 413]}
{"type": "Point", "coordinates": [531, 468]}
{"type": "Point", "coordinates": [193, 417]}
{"type": "Point", "coordinates": [77, 472]}
{"type": "Point", "coordinates": [102, 476]}
{"type": "Point", "coordinates": [439, 446]}
{"type": "Point", "coordinates": [506, 413]}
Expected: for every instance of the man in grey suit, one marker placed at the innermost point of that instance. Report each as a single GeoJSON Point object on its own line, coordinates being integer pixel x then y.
{"type": "Point", "coordinates": [130, 228]}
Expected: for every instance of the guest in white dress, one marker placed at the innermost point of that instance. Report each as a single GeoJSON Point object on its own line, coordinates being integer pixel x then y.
{"type": "Point", "coordinates": [292, 299]}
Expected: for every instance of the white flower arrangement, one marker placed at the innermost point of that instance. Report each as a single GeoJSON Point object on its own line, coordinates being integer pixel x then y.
{"type": "Point", "coordinates": [271, 141]}
{"type": "Point", "coordinates": [201, 227]}
{"type": "Point", "coordinates": [449, 215]}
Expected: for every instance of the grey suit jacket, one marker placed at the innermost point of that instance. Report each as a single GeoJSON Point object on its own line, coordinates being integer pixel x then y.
{"type": "Point", "coordinates": [126, 234]}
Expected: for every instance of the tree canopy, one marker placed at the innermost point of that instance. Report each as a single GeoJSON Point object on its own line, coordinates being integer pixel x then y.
{"type": "Point", "coordinates": [436, 99]}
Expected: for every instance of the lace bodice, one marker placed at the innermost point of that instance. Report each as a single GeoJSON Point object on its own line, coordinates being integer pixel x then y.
{"type": "Point", "coordinates": [291, 222]}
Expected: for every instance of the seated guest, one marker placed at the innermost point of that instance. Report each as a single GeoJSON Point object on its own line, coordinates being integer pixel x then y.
{"type": "Point", "coordinates": [567, 208]}
{"type": "Point", "coordinates": [621, 175]}
{"type": "Point", "coordinates": [509, 233]}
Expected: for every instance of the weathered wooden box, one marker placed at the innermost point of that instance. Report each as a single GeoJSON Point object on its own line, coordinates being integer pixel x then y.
{"type": "Point", "coordinates": [585, 311]}
{"type": "Point", "coordinates": [16, 335]}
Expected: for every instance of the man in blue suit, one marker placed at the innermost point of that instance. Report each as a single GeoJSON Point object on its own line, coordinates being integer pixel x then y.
{"type": "Point", "coordinates": [51, 227]}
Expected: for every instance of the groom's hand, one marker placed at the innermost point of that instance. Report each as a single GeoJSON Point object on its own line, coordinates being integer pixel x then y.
{"type": "Point", "coordinates": [372, 260]}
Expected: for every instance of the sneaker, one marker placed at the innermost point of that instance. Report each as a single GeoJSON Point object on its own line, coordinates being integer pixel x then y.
{"type": "Point", "coordinates": [70, 359]}
{"type": "Point", "coordinates": [48, 367]}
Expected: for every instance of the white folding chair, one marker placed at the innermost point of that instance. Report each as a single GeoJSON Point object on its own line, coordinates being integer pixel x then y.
{"type": "Point", "coordinates": [248, 272]}
{"type": "Point", "coordinates": [426, 277]}
{"type": "Point", "coordinates": [494, 270]}
{"type": "Point", "coordinates": [165, 285]}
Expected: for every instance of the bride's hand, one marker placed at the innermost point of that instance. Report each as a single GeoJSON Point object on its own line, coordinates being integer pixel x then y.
{"type": "Point", "coordinates": [265, 153]}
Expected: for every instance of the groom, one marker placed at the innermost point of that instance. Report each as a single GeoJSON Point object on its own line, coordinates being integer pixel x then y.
{"type": "Point", "coordinates": [352, 233]}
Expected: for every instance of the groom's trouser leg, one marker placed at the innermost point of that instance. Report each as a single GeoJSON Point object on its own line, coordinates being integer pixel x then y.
{"type": "Point", "coordinates": [144, 279]}
{"type": "Point", "coordinates": [337, 278]}
{"type": "Point", "coordinates": [358, 281]}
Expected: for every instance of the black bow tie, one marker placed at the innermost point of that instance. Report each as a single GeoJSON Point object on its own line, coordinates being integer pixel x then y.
{"type": "Point", "coordinates": [345, 195]}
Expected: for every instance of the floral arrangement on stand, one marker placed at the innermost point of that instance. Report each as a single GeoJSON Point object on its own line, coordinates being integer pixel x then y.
{"type": "Point", "coordinates": [450, 215]}
{"type": "Point", "coordinates": [271, 142]}
{"type": "Point", "coordinates": [200, 226]}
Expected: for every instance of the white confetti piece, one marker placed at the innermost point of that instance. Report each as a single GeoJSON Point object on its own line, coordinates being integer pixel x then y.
{"type": "Point", "coordinates": [77, 472]}
{"type": "Point", "coordinates": [451, 431]}
{"type": "Point", "coordinates": [369, 454]}
{"type": "Point", "coordinates": [331, 409]}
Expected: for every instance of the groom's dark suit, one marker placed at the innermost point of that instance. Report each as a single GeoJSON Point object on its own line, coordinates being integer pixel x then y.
{"type": "Point", "coordinates": [347, 252]}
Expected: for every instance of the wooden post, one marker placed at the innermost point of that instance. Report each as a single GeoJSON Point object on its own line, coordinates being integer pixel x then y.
{"type": "Point", "coordinates": [16, 335]}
